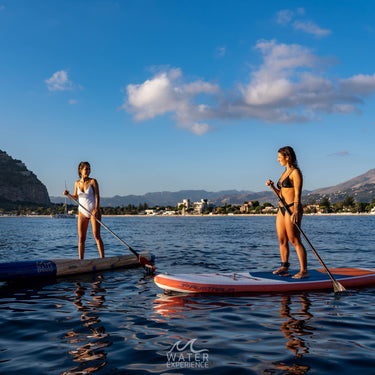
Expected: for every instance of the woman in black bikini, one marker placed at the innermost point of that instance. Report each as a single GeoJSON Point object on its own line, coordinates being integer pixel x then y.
{"type": "Point", "coordinates": [289, 187]}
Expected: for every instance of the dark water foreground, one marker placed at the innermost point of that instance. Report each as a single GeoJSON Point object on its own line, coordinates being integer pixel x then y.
{"type": "Point", "coordinates": [119, 322]}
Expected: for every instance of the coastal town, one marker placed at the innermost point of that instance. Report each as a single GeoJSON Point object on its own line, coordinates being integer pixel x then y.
{"type": "Point", "coordinates": [22, 194]}
{"type": "Point", "coordinates": [203, 207]}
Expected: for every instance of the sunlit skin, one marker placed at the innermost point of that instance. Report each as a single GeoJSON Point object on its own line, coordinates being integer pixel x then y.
{"type": "Point", "coordinates": [286, 230]}
{"type": "Point", "coordinates": [83, 221]}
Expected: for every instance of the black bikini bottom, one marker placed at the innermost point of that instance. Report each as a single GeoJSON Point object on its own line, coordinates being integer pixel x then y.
{"type": "Point", "coordinates": [283, 210]}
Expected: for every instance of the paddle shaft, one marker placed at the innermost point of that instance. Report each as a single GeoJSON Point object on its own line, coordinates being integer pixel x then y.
{"type": "Point", "coordinates": [141, 259]}
{"type": "Point", "coordinates": [337, 286]}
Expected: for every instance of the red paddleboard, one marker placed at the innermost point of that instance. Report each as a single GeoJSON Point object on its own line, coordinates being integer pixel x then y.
{"type": "Point", "coordinates": [263, 281]}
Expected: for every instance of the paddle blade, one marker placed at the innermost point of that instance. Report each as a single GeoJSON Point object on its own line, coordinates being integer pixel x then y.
{"type": "Point", "coordinates": [338, 288]}
{"type": "Point", "coordinates": [147, 265]}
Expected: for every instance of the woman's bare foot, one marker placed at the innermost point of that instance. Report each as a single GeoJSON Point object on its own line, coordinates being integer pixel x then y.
{"type": "Point", "coordinates": [301, 275]}
{"type": "Point", "coordinates": [281, 271]}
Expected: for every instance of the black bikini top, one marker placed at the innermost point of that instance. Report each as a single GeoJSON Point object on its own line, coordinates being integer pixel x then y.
{"type": "Point", "coordinates": [286, 183]}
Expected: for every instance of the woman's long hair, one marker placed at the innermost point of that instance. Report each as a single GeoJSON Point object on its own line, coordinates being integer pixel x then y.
{"type": "Point", "coordinates": [288, 151]}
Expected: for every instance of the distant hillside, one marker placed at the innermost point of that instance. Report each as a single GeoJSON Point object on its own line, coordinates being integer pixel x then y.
{"type": "Point", "coordinates": [18, 185]}
{"type": "Point", "coordinates": [167, 198]}
{"type": "Point", "coordinates": [361, 188]}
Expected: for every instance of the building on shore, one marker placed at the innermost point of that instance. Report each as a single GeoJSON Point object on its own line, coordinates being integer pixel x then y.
{"type": "Point", "coordinates": [184, 206]}
{"type": "Point", "coordinates": [194, 207]}
{"type": "Point", "coordinates": [200, 207]}
{"type": "Point", "coordinates": [246, 207]}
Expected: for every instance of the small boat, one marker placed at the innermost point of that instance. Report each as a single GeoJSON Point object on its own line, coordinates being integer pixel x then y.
{"type": "Point", "coordinates": [262, 282]}
{"type": "Point", "coordinates": [64, 267]}
{"type": "Point", "coordinates": [65, 215]}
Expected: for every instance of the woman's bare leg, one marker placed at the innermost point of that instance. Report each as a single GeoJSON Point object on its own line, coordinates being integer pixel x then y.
{"type": "Point", "coordinates": [295, 240]}
{"type": "Point", "coordinates": [83, 223]}
{"type": "Point", "coordinates": [283, 241]}
{"type": "Point", "coordinates": [98, 239]}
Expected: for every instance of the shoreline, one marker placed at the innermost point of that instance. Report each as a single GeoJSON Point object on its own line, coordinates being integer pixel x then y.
{"type": "Point", "coordinates": [217, 215]}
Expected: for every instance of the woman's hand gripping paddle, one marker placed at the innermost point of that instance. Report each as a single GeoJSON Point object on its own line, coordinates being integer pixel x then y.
{"type": "Point", "coordinates": [145, 263]}
{"type": "Point", "coordinates": [337, 287]}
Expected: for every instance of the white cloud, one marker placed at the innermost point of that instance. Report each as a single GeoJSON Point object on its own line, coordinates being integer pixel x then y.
{"type": "Point", "coordinates": [286, 16]}
{"type": "Point", "coordinates": [311, 28]}
{"type": "Point", "coordinates": [363, 85]}
{"type": "Point", "coordinates": [72, 101]}
{"type": "Point", "coordinates": [273, 82]}
{"type": "Point", "coordinates": [200, 128]}
{"type": "Point", "coordinates": [153, 97]}
{"type": "Point", "coordinates": [289, 86]}
{"type": "Point", "coordinates": [59, 82]}
{"type": "Point", "coordinates": [166, 93]}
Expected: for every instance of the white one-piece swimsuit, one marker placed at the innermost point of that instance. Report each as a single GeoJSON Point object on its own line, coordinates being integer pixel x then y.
{"type": "Point", "coordinates": [87, 199]}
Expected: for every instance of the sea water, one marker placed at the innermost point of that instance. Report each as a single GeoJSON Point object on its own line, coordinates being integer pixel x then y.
{"type": "Point", "coordinates": [120, 322]}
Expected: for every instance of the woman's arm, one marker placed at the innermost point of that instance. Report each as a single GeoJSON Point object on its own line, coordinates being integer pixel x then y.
{"type": "Point", "coordinates": [75, 195]}
{"type": "Point", "coordinates": [297, 183]}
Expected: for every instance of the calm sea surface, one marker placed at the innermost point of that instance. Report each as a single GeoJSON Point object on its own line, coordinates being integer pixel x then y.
{"type": "Point", "coordinates": [119, 322]}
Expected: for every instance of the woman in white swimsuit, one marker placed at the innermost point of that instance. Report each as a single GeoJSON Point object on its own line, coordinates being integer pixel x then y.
{"type": "Point", "coordinates": [86, 191]}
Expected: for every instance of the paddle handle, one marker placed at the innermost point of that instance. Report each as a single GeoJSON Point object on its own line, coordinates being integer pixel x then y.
{"type": "Point", "coordinates": [337, 286]}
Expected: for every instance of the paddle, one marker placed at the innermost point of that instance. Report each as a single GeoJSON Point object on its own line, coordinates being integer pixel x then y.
{"type": "Point", "coordinates": [145, 263]}
{"type": "Point", "coordinates": [337, 287]}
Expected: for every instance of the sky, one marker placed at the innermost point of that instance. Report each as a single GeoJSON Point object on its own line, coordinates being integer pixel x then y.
{"type": "Point", "coordinates": [171, 95]}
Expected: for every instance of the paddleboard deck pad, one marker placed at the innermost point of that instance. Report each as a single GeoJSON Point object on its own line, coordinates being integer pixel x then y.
{"type": "Point", "coordinates": [263, 281]}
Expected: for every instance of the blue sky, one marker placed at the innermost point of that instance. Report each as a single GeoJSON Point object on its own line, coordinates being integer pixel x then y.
{"type": "Point", "coordinates": [172, 95]}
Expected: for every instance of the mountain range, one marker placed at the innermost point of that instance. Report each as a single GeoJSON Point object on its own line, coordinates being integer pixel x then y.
{"type": "Point", "coordinates": [362, 188]}
{"type": "Point", "coordinates": [18, 185]}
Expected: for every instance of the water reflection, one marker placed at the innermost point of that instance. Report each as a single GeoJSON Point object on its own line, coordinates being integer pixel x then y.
{"type": "Point", "coordinates": [87, 347]}
{"type": "Point", "coordinates": [296, 330]}
{"type": "Point", "coordinates": [294, 312]}
{"type": "Point", "coordinates": [175, 305]}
